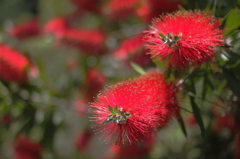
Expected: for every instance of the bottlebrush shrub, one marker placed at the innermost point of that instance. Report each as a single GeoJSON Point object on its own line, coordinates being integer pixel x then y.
{"type": "Point", "coordinates": [26, 30]}
{"type": "Point", "coordinates": [184, 38]}
{"type": "Point", "coordinates": [13, 65]}
{"type": "Point", "coordinates": [25, 148]}
{"type": "Point", "coordinates": [132, 110]}
{"type": "Point", "coordinates": [120, 9]}
{"type": "Point", "coordinates": [88, 41]}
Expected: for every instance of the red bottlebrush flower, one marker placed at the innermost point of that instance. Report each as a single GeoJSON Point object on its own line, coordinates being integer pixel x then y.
{"type": "Point", "coordinates": [6, 120]}
{"type": "Point", "coordinates": [133, 50]}
{"type": "Point", "coordinates": [26, 148]}
{"type": "Point", "coordinates": [129, 47]}
{"type": "Point", "coordinates": [191, 120]}
{"type": "Point", "coordinates": [95, 81]}
{"type": "Point", "coordinates": [87, 6]}
{"type": "Point", "coordinates": [26, 30]}
{"type": "Point", "coordinates": [83, 140]}
{"type": "Point", "coordinates": [89, 41]}
{"type": "Point", "coordinates": [134, 151]}
{"type": "Point", "coordinates": [13, 65]}
{"type": "Point", "coordinates": [186, 38]}
{"type": "Point", "coordinates": [222, 122]}
{"type": "Point", "coordinates": [153, 8]}
{"type": "Point", "coordinates": [81, 105]}
{"type": "Point", "coordinates": [55, 26]}
{"type": "Point", "coordinates": [120, 9]}
{"type": "Point", "coordinates": [129, 111]}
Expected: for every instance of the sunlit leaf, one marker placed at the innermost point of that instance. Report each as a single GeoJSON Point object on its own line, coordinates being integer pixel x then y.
{"type": "Point", "coordinates": [137, 68]}
{"type": "Point", "coordinates": [232, 21]}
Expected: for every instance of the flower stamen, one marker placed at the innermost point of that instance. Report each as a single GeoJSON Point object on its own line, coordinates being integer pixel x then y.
{"type": "Point", "coordinates": [117, 116]}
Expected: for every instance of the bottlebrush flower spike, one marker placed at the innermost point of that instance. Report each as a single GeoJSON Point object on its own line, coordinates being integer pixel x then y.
{"type": "Point", "coordinates": [120, 9]}
{"type": "Point", "coordinates": [26, 148]}
{"type": "Point", "coordinates": [186, 38]}
{"type": "Point", "coordinates": [130, 111]}
{"type": "Point", "coordinates": [13, 65]}
{"type": "Point", "coordinates": [88, 41]}
{"type": "Point", "coordinates": [26, 30]}
{"type": "Point", "coordinates": [129, 47]}
{"type": "Point", "coordinates": [55, 26]}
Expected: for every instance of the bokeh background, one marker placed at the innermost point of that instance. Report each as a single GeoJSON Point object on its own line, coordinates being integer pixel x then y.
{"type": "Point", "coordinates": [78, 47]}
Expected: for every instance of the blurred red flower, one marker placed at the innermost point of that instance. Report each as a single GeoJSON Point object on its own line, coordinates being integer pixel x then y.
{"type": "Point", "coordinates": [221, 122]}
{"type": "Point", "coordinates": [55, 26]}
{"type": "Point", "coordinates": [6, 120]}
{"type": "Point", "coordinates": [129, 111]}
{"type": "Point", "coordinates": [120, 9]}
{"type": "Point", "coordinates": [13, 65]}
{"type": "Point", "coordinates": [83, 140]}
{"type": "Point", "coordinates": [87, 6]}
{"type": "Point", "coordinates": [150, 9]}
{"type": "Point", "coordinates": [26, 30]}
{"type": "Point", "coordinates": [129, 47]}
{"type": "Point", "coordinates": [185, 38]}
{"type": "Point", "coordinates": [237, 146]}
{"type": "Point", "coordinates": [135, 151]}
{"type": "Point", "coordinates": [95, 81]}
{"type": "Point", "coordinates": [133, 50]}
{"type": "Point", "coordinates": [88, 41]}
{"type": "Point", "coordinates": [25, 148]}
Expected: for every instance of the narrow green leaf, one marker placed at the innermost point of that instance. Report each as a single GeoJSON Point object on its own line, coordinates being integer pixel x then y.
{"type": "Point", "coordinates": [197, 115]}
{"type": "Point", "coordinates": [232, 21]}
{"type": "Point", "coordinates": [232, 81]}
{"type": "Point", "coordinates": [181, 8]}
{"type": "Point", "coordinates": [162, 36]}
{"type": "Point", "coordinates": [110, 109]}
{"type": "Point", "coordinates": [115, 110]}
{"type": "Point", "coordinates": [180, 121]}
{"type": "Point", "coordinates": [137, 68]}
{"type": "Point", "coordinates": [41, 70]}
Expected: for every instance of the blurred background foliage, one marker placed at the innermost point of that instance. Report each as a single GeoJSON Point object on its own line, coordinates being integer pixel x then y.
{"type": "Point", "coordinates": [51, 108]}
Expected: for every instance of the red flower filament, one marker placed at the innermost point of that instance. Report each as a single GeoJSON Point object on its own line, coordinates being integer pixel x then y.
{"type": "Point", "coordinates": [186, 38]}
{"type": "Point", "coordinates": [129, 111]}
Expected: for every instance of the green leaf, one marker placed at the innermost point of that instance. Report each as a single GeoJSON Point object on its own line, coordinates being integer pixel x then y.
{"type": "Point", "coordinates": [115, 110]}
{"type": "Point", "coordinates": [232, 81]}
{"type": "Point", "coordinates": [180, 121]}
{"type": "Point", "coordinates": [181, 8]}
{"type": "Point", "coordinates": [232, 21]}
{"type": "Point", "coordinates": [197, 115]}
{"type": "Point", "coordinates": [41, 70]}
{"type": "Point", "coordinates": [137, 68]}
{"type": "Point", "coordinates": [110, 109]}
{"type": "Point", "coordinates": [162, 36]}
